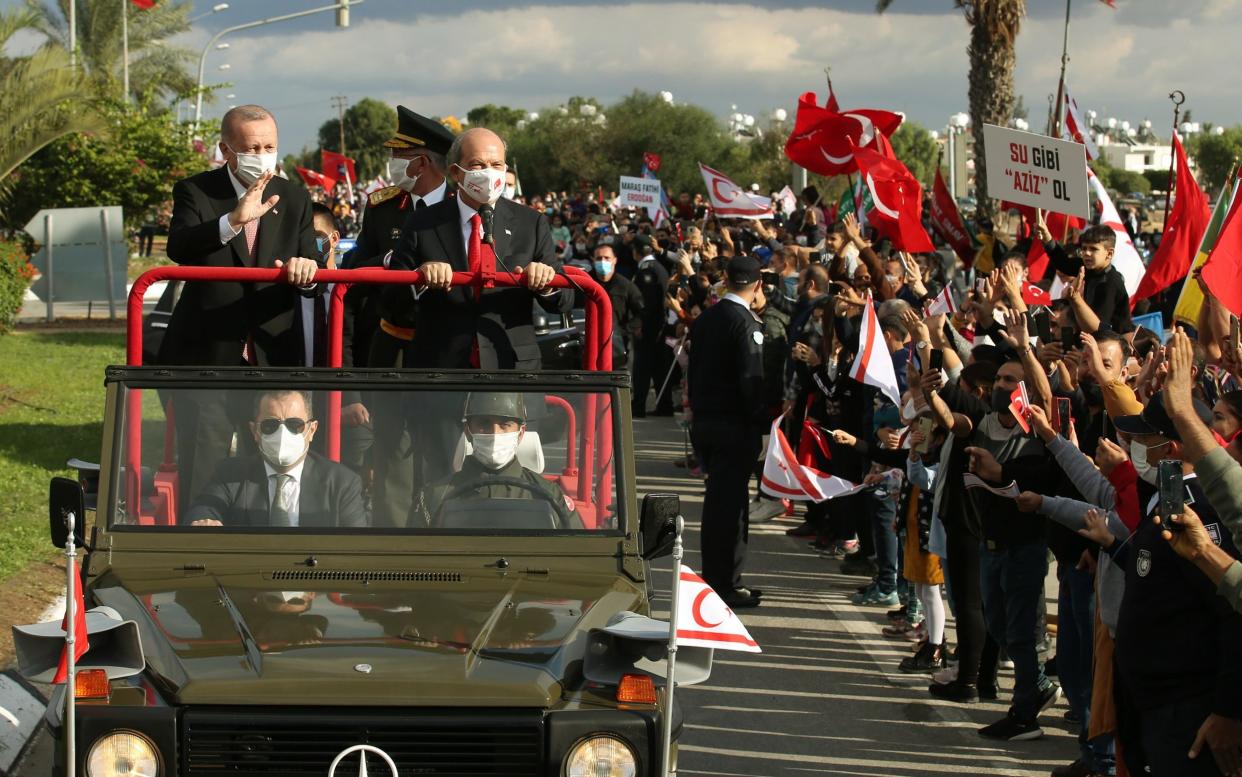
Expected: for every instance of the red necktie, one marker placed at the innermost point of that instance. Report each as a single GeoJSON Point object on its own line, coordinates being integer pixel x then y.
{"type": "Point", "coordinates": [474, 256]}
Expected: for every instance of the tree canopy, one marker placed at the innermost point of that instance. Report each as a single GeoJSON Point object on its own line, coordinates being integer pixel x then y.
{"type": "Point", "coordinates": [368, 123]}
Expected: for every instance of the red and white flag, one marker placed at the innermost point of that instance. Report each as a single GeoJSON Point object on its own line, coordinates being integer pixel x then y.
{"type": "Point", "coordinates": [873, 366]}
{"type": "Point", "coordinates": [943, 303]}
{"type": "Point", "coordinates": [1020, 406]}
{"type": "Point", "coordinates": [824, 138]}
{"type": "Point", "coordinates": [1180, 243]}
{"type": "Point", "coordinates": [1075, 128]}
{"type": "Point", "coordinates": [729, 199]}
{"type": "Point", "coordinates": [80, 642]}
{"type": "Point", "coordinates": [1033, 295]}
{"type": "Point", "coordinates": [704, 620]}
{"type": "Point", "coordinates": [897, 201]}
{"type": "Point", "coordinates": [784, 477]}
{"type": "Point", "coordinates": [314, 178]}
{"type": "Point", "coordinates": [1125, 256]}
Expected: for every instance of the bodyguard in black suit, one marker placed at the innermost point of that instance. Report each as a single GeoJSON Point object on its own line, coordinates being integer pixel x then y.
{"type": "Point", "coordinates": [725, 381]}
{"type": "Point", "coordinates": [451, 324]}
{"type": "Point", "coordinates": [239, 215]}
{"type": "Point", "coordinates": [285, 485]}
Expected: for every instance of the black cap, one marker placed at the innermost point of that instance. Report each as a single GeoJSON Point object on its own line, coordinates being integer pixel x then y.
{"type": "Point", "coordinates": [419, 132]}
{"type": "Point", "coordinates": [743, 269]}
{"type": "Point", "coordinates": [1155, 419]}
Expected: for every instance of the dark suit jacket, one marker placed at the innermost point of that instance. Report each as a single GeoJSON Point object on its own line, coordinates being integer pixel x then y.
{"type": "Point", "coordinates": [448, 322]}
{"type": "Point", "coordinates": [212, 321]}
{"type": "Point", "coordinates": [237, 496]}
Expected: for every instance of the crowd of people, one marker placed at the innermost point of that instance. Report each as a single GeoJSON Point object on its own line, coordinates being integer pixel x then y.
{"type": "Point", "coordinates": [1029, 429]}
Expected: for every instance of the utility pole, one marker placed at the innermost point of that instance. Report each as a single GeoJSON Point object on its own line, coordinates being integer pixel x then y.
{"type": "Point", "coordinates": [339, 102]}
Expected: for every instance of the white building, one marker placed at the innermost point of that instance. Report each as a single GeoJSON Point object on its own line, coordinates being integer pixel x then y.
{"type": "Point", "coordinates": [1134, 156]}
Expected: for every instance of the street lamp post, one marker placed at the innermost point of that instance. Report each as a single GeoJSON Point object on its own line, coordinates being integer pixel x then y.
{"type": "Point", "coordinates": [341, 7]}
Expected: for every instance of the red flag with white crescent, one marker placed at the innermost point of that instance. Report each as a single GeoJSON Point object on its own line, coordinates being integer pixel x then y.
{"type": "Point", "coordinates": [824, 138]}
{"type": "Point", "coordinates": [897, 198]}
{"type": "Point", "coordinates": [1180, 243]}
{"type": "Point", "coordinates": [704, 620]}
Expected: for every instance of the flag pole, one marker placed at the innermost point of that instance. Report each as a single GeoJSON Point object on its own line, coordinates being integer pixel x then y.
{"type": "Point", "coordinates": [667, 735]}
{"type": "Point", "coordinates": [1178, 97]}
{"type": "Point", "coordinates": [71, 600]}
{"type": "Point", "coordinates": [1060, 112]}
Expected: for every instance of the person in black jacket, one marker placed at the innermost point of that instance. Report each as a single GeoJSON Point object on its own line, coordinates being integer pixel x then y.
{"type": "Point", "coordinates": [652, 356]}
{"type": "Point", "coordinates": [725, 382]}
{"type": "Point", "coordinates": [627, 302]}
{"type": "Point", "coordinates": [1099, 297]}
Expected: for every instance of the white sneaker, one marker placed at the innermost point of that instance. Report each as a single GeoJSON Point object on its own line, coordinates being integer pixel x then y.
{"type": "Point", "coordinates": [765, 510]}
{"type": "Point", "coordinates": [945, 676]}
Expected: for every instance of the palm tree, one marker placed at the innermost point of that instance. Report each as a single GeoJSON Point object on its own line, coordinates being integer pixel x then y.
{"type": "Point", "coordinates": [994, 26]}
{"type": "Point", "coordinates": [155, 67]}
{"type": "Point", "coordinates": [40, 97]}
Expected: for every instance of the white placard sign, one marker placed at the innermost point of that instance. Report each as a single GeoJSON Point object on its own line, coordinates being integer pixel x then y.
{"type": "Point", "coordinates": [1036, 170]}
{"type": "Point", "coordinates": [638, 192]}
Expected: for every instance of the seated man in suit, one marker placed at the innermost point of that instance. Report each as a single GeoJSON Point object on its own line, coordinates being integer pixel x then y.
{"type": "Point", "coordinates": [495, 423]}
{"type": "Point", "coordinates": [286, 484]}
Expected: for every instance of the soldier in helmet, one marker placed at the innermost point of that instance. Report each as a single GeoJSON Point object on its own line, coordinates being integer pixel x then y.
{"type": "Point", "coordinates": [384, 317]}
{"type": "Point", "coordinates": [495, 423]}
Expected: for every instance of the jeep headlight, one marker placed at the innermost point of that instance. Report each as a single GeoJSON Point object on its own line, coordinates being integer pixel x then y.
{"type": "Point", "coordinates": [600, 755]}
{"type": "Point", "coordinates": [124, 754]}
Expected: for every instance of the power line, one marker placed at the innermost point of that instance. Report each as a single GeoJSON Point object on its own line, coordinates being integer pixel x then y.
{"type": "Point", "coordinates": [339, 102]}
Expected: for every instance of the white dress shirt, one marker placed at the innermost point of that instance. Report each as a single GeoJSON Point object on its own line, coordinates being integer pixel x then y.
{"type": "Point", "coordinates": [293, 489]}
{"type": "Point", "coordinates": [227, 232]}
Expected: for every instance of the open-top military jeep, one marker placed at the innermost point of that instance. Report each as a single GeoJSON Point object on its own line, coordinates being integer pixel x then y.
{"type": "Point", "coordinates": [485, 638]}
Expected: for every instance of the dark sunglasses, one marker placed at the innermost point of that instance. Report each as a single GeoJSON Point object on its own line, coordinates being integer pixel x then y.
{"type": "Point", "coordinates": [270, 425]}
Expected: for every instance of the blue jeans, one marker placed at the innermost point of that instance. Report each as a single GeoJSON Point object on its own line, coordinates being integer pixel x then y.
{"type": "Point", "coordinates": [1011, 581]}
{"type": "Point", "coordinates": [1075, 651]}
{"type": "Point", "coordinates": [883, 510]}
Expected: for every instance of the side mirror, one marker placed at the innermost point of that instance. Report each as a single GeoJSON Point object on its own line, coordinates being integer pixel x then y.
{"type": "Point", "coordinates": [659, 524]}
{"type": "Point", "coordinates": [65, 496]}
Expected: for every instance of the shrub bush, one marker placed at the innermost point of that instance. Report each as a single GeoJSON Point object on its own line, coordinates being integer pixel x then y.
{"type": "Point", "coordinates": [16, 273]}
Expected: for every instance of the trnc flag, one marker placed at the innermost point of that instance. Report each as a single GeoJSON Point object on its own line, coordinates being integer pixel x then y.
{"type": "Point", "coordinates": [314, 178]}
{"type": "Point", "coordinates": [824, 138]}
{"type": "Point", "coordinates": [1191, 298]}
{"type": "Point", "coordinates": [1125, 256]}
{"type": "Point", "coordinates": [1222, 272]}
{"type": "Point", "coordinates": [1187, 223]}
{"type": "Point", "coordinates": [784, 477]}
{"type": "Point", "coordinates": [80, 643]}
{"type": "Point", "coordinates": [730, 200]}
{"type": "Point", "coordinates": [947, 221]}
{"type": "Point", "coordinates": [338, 166]}
{"type": "Point", "coordinates": [873, 366]}
{"type": "Point", "coordinates": [787, 199]}
{"type": "Point", "coordinates": [897, 197]}
{"type": "Point", "coordinates": [704, 620]}
{"type": "Point", "coordinates": [943, 303]}
{"type": "Point", "coordinates": [1075, 128]}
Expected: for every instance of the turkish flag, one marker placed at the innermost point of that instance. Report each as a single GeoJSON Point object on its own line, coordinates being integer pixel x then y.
{"type": "Point", "coordinates": [80, 642]}
{"type": "Point", "coordinates": [1222, 272]}
{"type": "Point", "coordinates": [337, 166]}
{"type": "Point", "coordinates": [1033, 295]}
{"type": "Point", "coordinates": [312, 178]}
{"type": "Point", "coordinates": [947, 221]}
{"type": "Point", "coordinates": [898, 201]}
{"type": "Point", "coordinates": [1187, 223]}
{"type": "Point", "coordinates": [652, 161]}
{"type": "Point", "coordinates": [823, 139]}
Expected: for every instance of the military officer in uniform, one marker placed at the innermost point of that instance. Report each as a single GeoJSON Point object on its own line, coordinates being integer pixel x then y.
{"type": "Point", "coordinates": [384, 315]}
{"type": "Point", "coordinates": [725, 382]}
{"type": "Point", "coordinates": [494, 424]}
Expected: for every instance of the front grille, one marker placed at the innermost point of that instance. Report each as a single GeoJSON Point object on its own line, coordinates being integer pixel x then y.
{"type": "Point", "coordinates": [366, 576]}
{"type": "Point", "coordinates": [302, 743]}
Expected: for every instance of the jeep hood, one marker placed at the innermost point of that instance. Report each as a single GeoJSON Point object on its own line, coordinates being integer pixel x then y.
{"type": "Point", "coordinates": [243, 638]}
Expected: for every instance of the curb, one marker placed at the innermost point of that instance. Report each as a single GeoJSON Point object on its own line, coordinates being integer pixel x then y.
{"type": "Point", "coordinates": [21, 718]}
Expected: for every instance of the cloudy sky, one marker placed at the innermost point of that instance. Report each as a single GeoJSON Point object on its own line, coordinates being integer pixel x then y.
{"type": "Point", "coordinates": [446, 56]}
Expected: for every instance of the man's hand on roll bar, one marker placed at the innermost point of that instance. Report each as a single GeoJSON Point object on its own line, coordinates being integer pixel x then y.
{"type": "Point", "coordinates": [299, 271]}
{"type": "Point", "coordinates": [437, 275]}
{"type": "Point", "coordinates": [537, 275]}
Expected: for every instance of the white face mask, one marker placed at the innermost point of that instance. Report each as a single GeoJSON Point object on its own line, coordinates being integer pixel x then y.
{"type": "Point", "coordinates": [494, 451]}
{"type": "Point", "coordinates": [510, 192]}
{"type": "Point", "coordinates": [251, 166]}
{"type": "Point", "coordinates": [282, 448]}
{"type": "Point", "coordinates": [484, 185]}
{"type": "Point", "coordinates": [1138, 457]}
{"type": "Point", "coordinates": [398, 176]}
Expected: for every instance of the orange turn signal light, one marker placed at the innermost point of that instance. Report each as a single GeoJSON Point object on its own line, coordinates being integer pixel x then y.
{"type": "Point", "coordinates": [636, 689]}
{"type": "Point", "coordinates": [91, 684]}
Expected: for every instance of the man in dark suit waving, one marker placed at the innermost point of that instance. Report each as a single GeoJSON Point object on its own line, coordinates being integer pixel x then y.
{"type": "Point", "coordinates": [239, 215]}
{"type": "Point", "coordinates": [461, 327]}
{"type": "Point", "coordinates": [725, 381]}
{"type": "Point", "coordinates": [285, 485]}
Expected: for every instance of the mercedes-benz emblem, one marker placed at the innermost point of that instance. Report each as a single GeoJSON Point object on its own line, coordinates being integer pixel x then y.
{"type": "Point", "coordinates": [362, 751]}
{"type": "Point", "coordinates": [364, 668]}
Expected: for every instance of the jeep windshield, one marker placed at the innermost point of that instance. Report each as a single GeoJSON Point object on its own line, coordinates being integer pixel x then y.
{"type": "Point", "coordinates": [305, 452]}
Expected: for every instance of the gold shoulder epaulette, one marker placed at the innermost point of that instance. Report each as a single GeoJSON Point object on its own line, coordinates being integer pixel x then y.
{"type": "Point", "coordinates": [383, 195]}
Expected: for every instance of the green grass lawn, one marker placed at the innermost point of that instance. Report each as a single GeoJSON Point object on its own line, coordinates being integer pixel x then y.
{"type": "Point", "coordinates": [51, 406]}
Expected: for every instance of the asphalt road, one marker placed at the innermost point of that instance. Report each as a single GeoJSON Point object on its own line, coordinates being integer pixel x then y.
{"type": "Point", "coordinates": [824, 697]}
